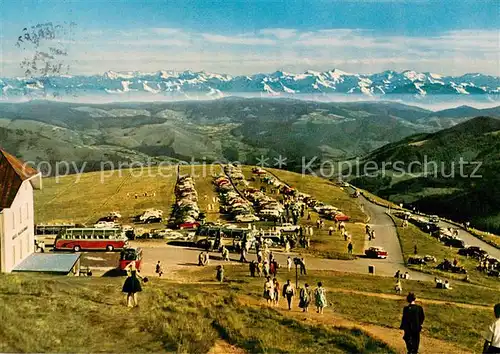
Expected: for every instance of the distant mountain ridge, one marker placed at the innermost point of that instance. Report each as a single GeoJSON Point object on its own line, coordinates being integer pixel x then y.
{"type": "Point", "coordinates": [280, 83]}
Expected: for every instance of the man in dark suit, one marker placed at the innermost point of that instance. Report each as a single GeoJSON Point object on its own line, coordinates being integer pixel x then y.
{"type": "Point", "coordinates": [411, 324]}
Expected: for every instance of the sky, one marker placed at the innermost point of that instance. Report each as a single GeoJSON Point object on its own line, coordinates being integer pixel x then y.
{"type": "Point", "coordinates": [240, 37]}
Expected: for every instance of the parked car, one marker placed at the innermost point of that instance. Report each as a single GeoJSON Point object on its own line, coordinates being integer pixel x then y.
{"type": "Point", "coordinates": [189, 225]}
{"type": "Point", "coordinates": [115, 214]}
{"type": "Point", "coordinates": [287, 227]}
{"type": "Point", "coordinates": [105, 224]}
{"type": "Point", "coordinates": [417, 260]}
{"type": "Point", "coordinates": [376, 252]}
{"type": "Point", "coordinates": [454, 242]}
{"type": "Point", "coordinates": [272, 241]}
{"type": "Point", "coordinates": [160, 233]}
{"type": "Point", "coordinates": [472, 251]}
{"type": "Point", "coordinates": [341, 217]}
{"type": "Point", "coordinates": [434, 219]}
{"type": "Point", "coordinates": [150, 213]}
{"type": "Point", "coordinates": [246, 218]}
{"type": "Point", "coordinates": [153, 220]}
{"type": "Point", "coordinates": [175, 235]}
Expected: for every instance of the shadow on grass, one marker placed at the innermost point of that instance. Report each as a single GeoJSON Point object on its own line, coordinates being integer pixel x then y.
{"type": "Point", "coordinates": [116, 272]}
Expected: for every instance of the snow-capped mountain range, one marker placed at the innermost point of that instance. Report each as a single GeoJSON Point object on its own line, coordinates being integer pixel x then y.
{"type": "Point", "coordinates": [279, 83]}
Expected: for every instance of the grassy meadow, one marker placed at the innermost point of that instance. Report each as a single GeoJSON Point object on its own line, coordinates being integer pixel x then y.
{"type": "Point", "coordinates": [457, 316]}
{"type": "Point", "coordinates": [84, 198]}
{"type": "Point", "coordinates": [63, 314]}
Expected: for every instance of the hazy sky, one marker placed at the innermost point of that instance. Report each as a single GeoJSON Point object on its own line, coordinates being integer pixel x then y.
{"type": "Point", "coordinates": [248, 36]}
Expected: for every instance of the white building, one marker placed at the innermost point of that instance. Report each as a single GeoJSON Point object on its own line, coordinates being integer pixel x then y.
{"type": "Point", "coordinates": [17, 237]}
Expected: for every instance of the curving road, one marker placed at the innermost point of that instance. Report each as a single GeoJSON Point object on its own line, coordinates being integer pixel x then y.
{"type": "Point", "coordinates": [472, 240]}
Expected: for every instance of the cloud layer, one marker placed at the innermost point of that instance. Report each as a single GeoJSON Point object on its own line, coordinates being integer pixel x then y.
{"type": "Point", "coordinates": [269, 49]}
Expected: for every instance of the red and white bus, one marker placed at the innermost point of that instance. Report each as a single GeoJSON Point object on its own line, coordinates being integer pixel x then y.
{"type": "Point", "coordinates": [78, 239]}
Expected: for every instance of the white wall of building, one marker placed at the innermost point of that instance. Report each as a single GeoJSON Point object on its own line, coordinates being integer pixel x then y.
{"type": "Point", "coordinates": [17, 234]}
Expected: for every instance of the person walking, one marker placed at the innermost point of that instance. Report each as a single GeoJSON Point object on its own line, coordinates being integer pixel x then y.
{"type": "Point", "coordinates": [269, 290]}
{"type": "Point", "coordinates": [253, 267]}
{"type": "Point", "coordinates": [320, 298]}
{"type": "Point", "coordinates": [201, 259]}
{"type": "Point", "coordinates": [225, 254]}
{"type": "Point", "coordinates": [220, 273]}
{"type": "Point", "coordinates": [288, 293]}
{"type": "Point", "coordinates": [305, 298]}
{"type": "Point", "coordinates": [287, 246]}
{"type": "Point", "coordinates": [330, 231]}
{"type": "Point", "coordinates": [276, 291]}
{"type": "Point", "coordinates": [132, 285]}
{"type": "Point", "coordinates": [259, 256]}
{"type": "Point", "coordinates": [266, 268]}
{"type": "Point", "coordinates": [159, 269]}
{"type": "Point", "coordinates": [259, 269]}
{"type": "Point", "coordinates": [289, 263]}
{"type": "Point", "coordinates": [349, 248]}
{"type": "Point", "coordinates": [302, 266]}
{"type": "Point", "coordinates": [492, 334]}
{"type": "Point", "coordinates": [411, 323]}
{"type": "Point", "coordinates": [243, 255]}
{"type": "Point", "coordinates": [398, 287]}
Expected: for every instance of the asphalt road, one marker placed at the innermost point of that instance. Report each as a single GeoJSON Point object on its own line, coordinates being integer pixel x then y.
{"type": "Point", "coordinates": [471, 240]}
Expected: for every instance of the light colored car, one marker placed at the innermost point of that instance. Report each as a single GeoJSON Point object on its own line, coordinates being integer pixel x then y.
{"type": "Point", "coordinates": [105, 224]}
{"type": "Point", "coordinates": [174, 235]}
{"type": "Point", "coordinates": [246, 218]}
{"type": "Point", "coordinates": [162, 233]}
{"type": "Point", "coordinates": [151, 213]}
{"type": "Point", "coordinates": [287, 227]}
{"type": "Point", "coordinates": [269, 212]}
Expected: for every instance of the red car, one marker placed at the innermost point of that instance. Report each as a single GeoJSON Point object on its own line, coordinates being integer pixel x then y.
{"type": "Point", "coordinates": [341, 217]}
{"type": "Point", "coordinates": [376, 252]}
{"type": "Point", "coordinates": [189, 225]}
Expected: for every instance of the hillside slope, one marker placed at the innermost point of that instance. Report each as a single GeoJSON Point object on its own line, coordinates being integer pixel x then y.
{"type": "Point", "coordinates": [227, 129]}
{"type": "Point", "coordinates": [453, 172]}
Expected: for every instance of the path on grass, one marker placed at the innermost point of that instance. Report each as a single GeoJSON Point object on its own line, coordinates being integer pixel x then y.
{"type": "Point", "coordinates": [403, 298]}
{"type": "Point", "coordinates": [391, 336]}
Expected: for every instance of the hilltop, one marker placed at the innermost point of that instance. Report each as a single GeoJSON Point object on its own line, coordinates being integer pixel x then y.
{"type": "Point", "coordinates": [473, 196]}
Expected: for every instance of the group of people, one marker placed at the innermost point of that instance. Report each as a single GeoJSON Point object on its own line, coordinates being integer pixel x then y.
{"type": "Point", "coordinates": [370, 233]}
{"type": "Point", "coordinates": [440, 284]}
{"type": "Point", "coordinates": [401, 275]}
{"type": "Point", "coordinates": [272, 291]}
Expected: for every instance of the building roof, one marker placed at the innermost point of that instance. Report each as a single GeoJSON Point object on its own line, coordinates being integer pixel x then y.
{"type": "Point", "coordinates": [48, 263]}
{"type": "Point", "coordinates": [13, 172]}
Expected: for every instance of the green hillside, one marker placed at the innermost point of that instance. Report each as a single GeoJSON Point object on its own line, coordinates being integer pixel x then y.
{"type": "Point", "coordinates": [227, 129]}
{"type": "Point", "coordinates": [438, 185]}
